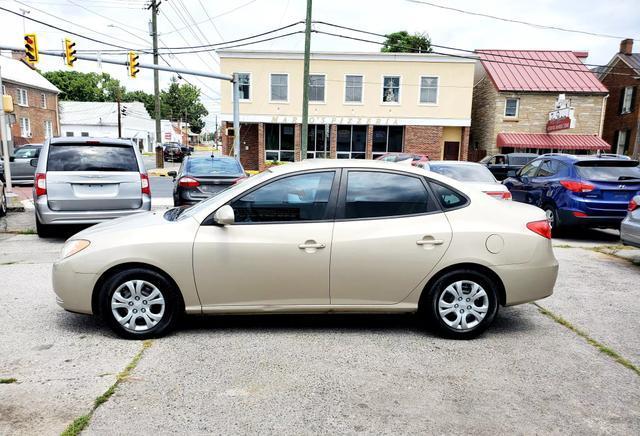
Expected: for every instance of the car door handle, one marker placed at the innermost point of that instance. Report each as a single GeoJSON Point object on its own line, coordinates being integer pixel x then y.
{"type": "Point", "coordinates": [310, 245]}
{"type": "Point", "coordinates": [429, 242]}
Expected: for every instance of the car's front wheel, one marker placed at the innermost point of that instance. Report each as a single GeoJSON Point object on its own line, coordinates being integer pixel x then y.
{"type": "Point", "coordinates": [462, 304]}
{"type": "Point", "coordinates": [139, 303]}
{"type": "Point", "coordinates": [3, 202]}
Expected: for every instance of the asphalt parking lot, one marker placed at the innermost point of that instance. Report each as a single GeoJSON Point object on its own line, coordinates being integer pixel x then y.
{"type": "Point", "coordinates": [566, 365]}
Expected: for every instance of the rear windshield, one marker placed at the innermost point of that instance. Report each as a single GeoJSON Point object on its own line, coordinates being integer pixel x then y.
{"type": "Point", "coordinates": [213, 166]}
{"type": "Point", "coordinates": [609, 171]}
{"type": "Point", "coordinates": [520, 160]}
{"type": "Point", "coordinates": [83, 157]}
{"type": "Point", "coordinates": [464, 173]}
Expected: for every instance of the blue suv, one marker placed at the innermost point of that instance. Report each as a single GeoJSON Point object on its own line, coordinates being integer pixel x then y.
{"type": "Point", "coordinates": [588, 190]}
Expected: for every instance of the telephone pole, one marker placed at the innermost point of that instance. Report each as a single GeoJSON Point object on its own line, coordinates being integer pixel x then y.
{"type": "Point", "coordinates": [156, 76]}
{"type": "Point", "coordinates": [305, 87]}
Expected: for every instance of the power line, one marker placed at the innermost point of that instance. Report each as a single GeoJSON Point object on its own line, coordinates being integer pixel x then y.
{"type": "Point", "coordinates": [511, 20]}
{"type": "Point", "coordinates": [216, 16]}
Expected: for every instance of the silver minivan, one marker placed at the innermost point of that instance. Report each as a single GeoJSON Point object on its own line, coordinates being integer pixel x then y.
{"type": "Point", "coordinates": [88, 180]}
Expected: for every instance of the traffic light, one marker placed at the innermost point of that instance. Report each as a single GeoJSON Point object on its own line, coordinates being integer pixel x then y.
{"type": "Point", "coordinates": [133, 64]}
{"type": "Point", "coordinates": [69, 52]}
{"type": "Point", "coordinates": [31, 47]}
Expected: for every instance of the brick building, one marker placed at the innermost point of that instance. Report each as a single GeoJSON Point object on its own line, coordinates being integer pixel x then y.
{"type": "Point", "coordinates": [622, 117]}
{"type": "Point", "coordinates": [35, 103]}
{"type": "Point", "coordinates": [516, 94]}
{"type": "Point", "coordinates": [362, 105]}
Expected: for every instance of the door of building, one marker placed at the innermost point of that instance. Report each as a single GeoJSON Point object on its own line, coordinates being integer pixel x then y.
{"type": "Point", "coordinates": [451, 150]}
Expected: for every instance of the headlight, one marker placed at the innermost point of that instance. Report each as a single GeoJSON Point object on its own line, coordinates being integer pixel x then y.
{"type": "Point", "coordinates": [72, 247]}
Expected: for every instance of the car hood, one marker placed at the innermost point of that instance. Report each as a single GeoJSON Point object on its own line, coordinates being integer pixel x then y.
{"type": "Point", "coordinates": [129, 223]}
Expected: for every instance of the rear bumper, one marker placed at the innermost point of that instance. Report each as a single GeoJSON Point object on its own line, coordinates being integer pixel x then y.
{"type": "Point", "coordinates": [47, 216]}
{"type": "Point", "coordinates": [567, 218]}
{"type": "Point", "coordinates": [630, 232]}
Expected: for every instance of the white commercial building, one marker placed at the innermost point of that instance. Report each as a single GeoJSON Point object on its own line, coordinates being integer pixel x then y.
{"type": "Point", "coordinates": [100, 119]}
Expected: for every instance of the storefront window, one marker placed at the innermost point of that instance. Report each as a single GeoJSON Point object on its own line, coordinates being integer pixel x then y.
{"type": "Point", "coordinates": [387, 139]}
{"type": "Point", "coordinates": [318, 142]}
{"type": "Point", "coordinates": [351, 142]}
{"type": "Point", "coordinates": [279, 142]}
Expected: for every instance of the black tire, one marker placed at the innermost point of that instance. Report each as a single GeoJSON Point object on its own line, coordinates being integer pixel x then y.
{"type": "Point", "coordinates": [3, 202]}
{"type": "Point", "coordinates": [429, 306]}
{"type": "Point", "coordinates": [173, 306]}
{"type": "Point", "coordinates": [43, 230]}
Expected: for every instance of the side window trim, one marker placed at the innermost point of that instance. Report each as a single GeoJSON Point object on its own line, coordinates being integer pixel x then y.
{"type": "Point", "coordinates": [342, 195]}
{"type": "Point", "coordinates": [331, 204]}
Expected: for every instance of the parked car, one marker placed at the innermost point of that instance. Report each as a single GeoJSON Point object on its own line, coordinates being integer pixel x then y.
{"type": "Point", "coordinates": [21, 169]}
{"type": "Point", "coordinates": [316, 236]}
{"type": "Point", "coordinates": [202, 177]}
{"type": "Point", "coordinates": [471, 173]}
{"type": "Point", "coordinates": [587, 190]}
{"type": "Point", "coordinates": [87, 180]}
{"type": "Point", "coordinates": [501, 164]}
{"type": "Point", "coordinates": [172, 152]}
{"type": "Point", "coordinates": [3, 199]}
{"type": "Point", "coordinates": [630, 227]}
{"type": "Point", "coordinates": [400, 157]}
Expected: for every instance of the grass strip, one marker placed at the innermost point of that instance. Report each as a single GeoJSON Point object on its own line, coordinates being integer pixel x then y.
{"type": "Point", "coordinates": [594, 343]}
{"type": "Point", "coordinates": [6, 381]}
{"type": "Point", "coordinates": [81, 422]}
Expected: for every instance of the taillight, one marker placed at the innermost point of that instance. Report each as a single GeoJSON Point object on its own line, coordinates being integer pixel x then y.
{"type": "Point", "coordinates": [542, 227]}
{"type": "Point", "coordinates": [576, 186]}
{"type": "Point", "coordinates": [633, 205]}
{"type": "Point", "coordinates": [501, 195]}
{"type": "Point", "coordinates": [41, 184]}
{"type": "Point", "coordinates": [188, 182]}
{"type": "Point", "coordinates": [506, 195]}
{"type": "Point", "coordinates": [144, 184]}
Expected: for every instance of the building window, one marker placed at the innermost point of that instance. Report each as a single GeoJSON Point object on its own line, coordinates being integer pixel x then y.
{"type": "Point", "coordinates": [316, 88]}
{"type": "Point", "coordinates": [387, 139]}
{"type": "Point", "coordinates": [391, 89]}
{"type": "Point", "coordinates": [69, 134]}
{"type": "Point", "coordinates": [48, 129]}
{"type": "Point", "coordinates": [622, 141]}
{"type": "Point", "coordinates": [318, 141]}
{"type": "Point", "coordinates": [244, 80]}
{"type": "Point", "coordinates": [428, 90]}
{"type": "Point", "coordinates": [280, 87]}
{"type": "Point", "coordinates": [25, 127]}
{"type": "Point", "coordinates": [351, 142]}
{"type": "Point", "coordinates": [279, 142]}
{"type": "Point", "coordinates": [23, 98]}
{"type": "Point", "coordinates": [43, 100]}
{"type": "Point", "coordinates": [353, 89]}
{"type": "Point", "coordinates": [511, 107]}
{"type": "Point", "coordinates": [627, 100]}
{"type": "Point", "coordinates": [84, 133]}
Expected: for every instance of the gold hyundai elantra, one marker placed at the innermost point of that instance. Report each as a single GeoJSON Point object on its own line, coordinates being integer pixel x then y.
{"type": "Point", "coordinates": [317, 236]}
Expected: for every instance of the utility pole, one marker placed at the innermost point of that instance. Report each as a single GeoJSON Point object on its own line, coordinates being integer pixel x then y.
{"type": "Point", "coordinates": [156, 73]}
{"type": "Point", "coordinates": [119, 119]}
{"type": "Point", "coordinates": [236, 116]}
{"type": "Point", "coordinates": [5, 147]}
{"type": "Point", "coordinates": [305, 84]}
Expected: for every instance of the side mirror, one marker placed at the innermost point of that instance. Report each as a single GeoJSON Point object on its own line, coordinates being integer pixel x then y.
{"type": "Point", "coordinates": [33, 162]}
{"type": "Point", "coordinates": [511, 173]}
{"type": "Point", "coordinates": [172, 174]}
{"type": "Point", "coordinates": [224, 215]}
{"type": "Point", "coordinates": [12, 158]}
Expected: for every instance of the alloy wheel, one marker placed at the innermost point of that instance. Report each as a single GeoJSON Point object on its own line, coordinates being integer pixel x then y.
{"type": "Point", "coordinates": [551, 216]}
{"type": "Point", "coordinates": [463, 305]}
{"type": "Point", "coordinates": [137, 305]}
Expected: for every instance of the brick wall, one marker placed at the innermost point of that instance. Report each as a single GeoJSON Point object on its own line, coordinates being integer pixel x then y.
{"type": "Point", "coordinates": [34, 112]}
{"type": "Point", "coordinates": [613, 120]}
{"type": "Point", "coordinates": [423, 140]}
{"type": "Point", "coordinates": [483, 109]}
{"type": "Point", "coordinates": [249, 137]}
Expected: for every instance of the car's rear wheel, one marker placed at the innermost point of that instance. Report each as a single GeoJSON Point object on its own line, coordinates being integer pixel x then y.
{"type": "Point", "coordinates": [43, 230]}
{"type": "Point", "coordinates": [462, 304]}
{"type": "Point", "coordinates": [3, 202]}
{"type": "Point", "coordinates": [139, 303]}
{"type": "Point", "coordinates": [552, 217]}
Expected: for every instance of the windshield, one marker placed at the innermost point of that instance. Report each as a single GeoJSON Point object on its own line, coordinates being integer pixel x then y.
{"type": "Point", "coordinates": [233, 190]}
{"type": "Point", "coordinates": [464, 172]}
{"type": "Point", "coordinates": [83, 157]}
{"type": "Point", "coordinates": [208, 166]}
{"type": "Point", "coordinates": [609, 171]}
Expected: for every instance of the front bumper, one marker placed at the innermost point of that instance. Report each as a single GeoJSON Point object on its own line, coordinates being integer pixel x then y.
{"type": "Point", "coordinates": [47, 216]}
{"type": "Point", "coordinates": [73, 290]}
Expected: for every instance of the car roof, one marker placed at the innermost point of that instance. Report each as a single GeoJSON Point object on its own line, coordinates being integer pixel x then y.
{"type": "Point", "coordinates": [581, 157]}
{"type": "Point", "coordinates": [83, 139]}
{"type": "Point", "coordinates": [453, 162]}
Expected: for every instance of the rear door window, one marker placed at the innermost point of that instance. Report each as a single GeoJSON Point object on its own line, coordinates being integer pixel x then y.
{"type": "Point", "coordinates": [85, 157]}
{"type": "Point", "coordinates": [449, 198]}
{"type": "Point", "coordinates": [609, 171]}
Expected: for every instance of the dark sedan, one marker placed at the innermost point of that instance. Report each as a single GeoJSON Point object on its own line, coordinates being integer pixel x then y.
{"type": "Point", "coordinates": [202, 177]}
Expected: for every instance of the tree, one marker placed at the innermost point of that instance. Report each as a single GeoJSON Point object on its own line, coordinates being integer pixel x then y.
{"type": "Point", "coordinates": [76, 86]}
{"type": "Point", "coordinates": [183, 102]}
{"type": "Point", "coordinates": [403, 42]}
{"type": "Point", "coordinates": [141, 96]}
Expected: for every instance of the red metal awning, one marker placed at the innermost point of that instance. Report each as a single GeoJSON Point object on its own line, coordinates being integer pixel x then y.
{"type": "Point", "coordinates": [555, 141]}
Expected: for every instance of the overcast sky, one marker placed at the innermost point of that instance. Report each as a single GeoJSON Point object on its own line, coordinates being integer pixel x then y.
{"type": "Point", "coordinates": [238, 18]}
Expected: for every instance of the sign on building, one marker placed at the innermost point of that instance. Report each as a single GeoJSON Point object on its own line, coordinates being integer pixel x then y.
{"type": "Point", "coordinates": [562, 116]}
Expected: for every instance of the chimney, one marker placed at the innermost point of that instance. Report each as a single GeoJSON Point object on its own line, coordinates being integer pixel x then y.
{"type": "Point", "coordinates": [626, 46]}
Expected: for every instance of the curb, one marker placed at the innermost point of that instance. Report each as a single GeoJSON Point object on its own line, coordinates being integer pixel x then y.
{"type": "Point", "coordinates": [14, 203]}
